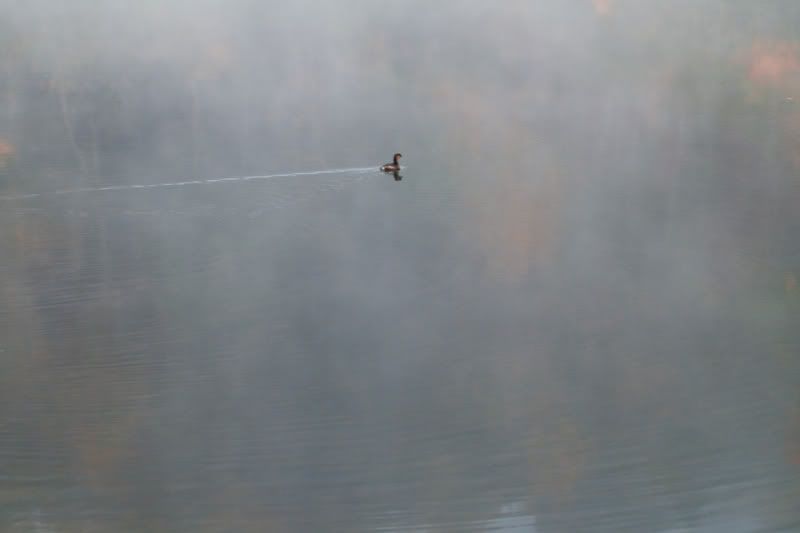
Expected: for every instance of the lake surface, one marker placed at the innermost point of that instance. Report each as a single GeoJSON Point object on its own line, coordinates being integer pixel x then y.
{"type": "Point", "coordinates": [577, 311]}
{"type": "Point", "coordinates": [193, 358]}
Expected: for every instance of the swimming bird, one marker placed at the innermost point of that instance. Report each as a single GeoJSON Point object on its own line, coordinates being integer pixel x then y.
{"type": "Point", "coordinates": [394, 166]}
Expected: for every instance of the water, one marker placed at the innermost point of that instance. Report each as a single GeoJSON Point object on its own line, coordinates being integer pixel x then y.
{"type": "Point", "coordinates": [84, 190]}
{"type": "Point", "coordinates": [195, 359]}
{"type": "Point", "coordinates": [577, 311]}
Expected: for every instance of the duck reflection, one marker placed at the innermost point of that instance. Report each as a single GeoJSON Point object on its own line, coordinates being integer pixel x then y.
{"type": "Point", "coordinates": [393, 168]}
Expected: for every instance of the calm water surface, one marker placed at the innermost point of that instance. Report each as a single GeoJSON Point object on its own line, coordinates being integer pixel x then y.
{"type": "Point", "coordinates": [578, 311]}
{"type": "Point", "coordinates": [192, 358]}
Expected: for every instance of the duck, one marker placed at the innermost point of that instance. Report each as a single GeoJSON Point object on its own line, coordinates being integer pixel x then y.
{"type": "Point", "coordinates": [394, 166]}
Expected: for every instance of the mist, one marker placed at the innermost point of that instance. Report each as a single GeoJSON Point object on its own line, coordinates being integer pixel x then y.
{"type": "Point", "coordinates": [575, 308]}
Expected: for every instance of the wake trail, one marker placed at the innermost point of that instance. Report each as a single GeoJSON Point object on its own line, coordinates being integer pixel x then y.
{"type": "Point", "coordinates": [355, 170]}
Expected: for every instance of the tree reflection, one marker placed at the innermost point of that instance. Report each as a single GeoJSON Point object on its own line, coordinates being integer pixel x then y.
{"type": "Point", "coordinates": [602, 333]}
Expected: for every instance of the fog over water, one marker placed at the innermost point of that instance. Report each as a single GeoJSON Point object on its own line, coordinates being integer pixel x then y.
{"type": "Point", "coordinates": [575, 309]}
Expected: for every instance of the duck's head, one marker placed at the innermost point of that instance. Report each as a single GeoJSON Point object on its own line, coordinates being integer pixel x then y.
{"type": "Point", "coordinates": [397, 156]}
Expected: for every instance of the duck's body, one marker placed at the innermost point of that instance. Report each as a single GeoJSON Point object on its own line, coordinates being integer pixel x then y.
{"type": "Point", "coordinates": [394, 166]}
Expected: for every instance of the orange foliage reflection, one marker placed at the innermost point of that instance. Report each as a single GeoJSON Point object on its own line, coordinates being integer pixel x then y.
{"type": "Point", "coordinates": [602, 7]}
{"type": "Point", "coordinates": [515, 217]}
{"type": "Point", "coordinates": [516, 228]}
{"type": "Point", "coordinates": [771, 63]}
{"type": "Point", "coordinates": [6, 151]}
{"type": "Point", "coordinates": [557, 460]}
{"type": "Point", "coordinates": [790, 283]}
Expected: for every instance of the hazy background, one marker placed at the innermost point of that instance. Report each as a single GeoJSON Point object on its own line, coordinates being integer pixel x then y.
{"type": "Point", "coordinates": [578, 311]}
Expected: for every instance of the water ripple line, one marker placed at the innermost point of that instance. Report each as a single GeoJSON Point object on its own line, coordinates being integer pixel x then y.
{"type": "Point", "coordinates": [354, 170]}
